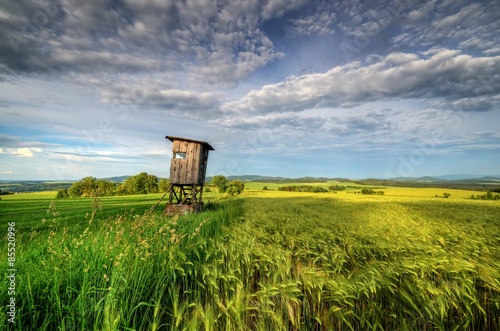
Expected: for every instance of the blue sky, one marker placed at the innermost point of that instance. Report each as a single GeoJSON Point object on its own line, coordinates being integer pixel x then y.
{"type": "Point", "coordinates": [278, 87]}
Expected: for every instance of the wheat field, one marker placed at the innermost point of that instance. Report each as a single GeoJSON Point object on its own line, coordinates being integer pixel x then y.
{"type": "Point", "coordinates": [267, 260]}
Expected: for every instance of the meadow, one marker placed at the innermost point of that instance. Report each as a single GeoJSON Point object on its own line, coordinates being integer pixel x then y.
{"type": "Point", "coordinates": [265, 260]}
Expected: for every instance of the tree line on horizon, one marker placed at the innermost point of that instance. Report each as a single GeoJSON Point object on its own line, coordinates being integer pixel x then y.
{"type": "Point", "coordinates": [87, 187]}
{"type": "Point", "coordinates": [143, 183]}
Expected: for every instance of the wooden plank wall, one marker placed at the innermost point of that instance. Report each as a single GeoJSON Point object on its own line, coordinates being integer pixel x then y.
{"type": "Point", "coordinates": [203, 165]}
{"type": "Point", "coordinates": [190, 170]}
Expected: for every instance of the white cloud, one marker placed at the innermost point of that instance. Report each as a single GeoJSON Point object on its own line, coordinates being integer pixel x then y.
{"type": "Point", "coordinates": [477, 43]}
{"type": "Point", "coordinates": [443, 74]}
{"type": "Point", "coordinates": [151, 68]}
{"type": "Point", "coordinates": [494, 50]}
{"type": "Point", "coordinates": [74, 157]}
{"type": "Point", "coordinates": [22, 151]}
{"type": "Point", "coordinates": [279, 7]}
{"type": "Point", "coordinates": [27, 151]}
{"type": "Point", "coordinates": [473, 25]}
{"type": "Point", "coordinates": [319, 23]}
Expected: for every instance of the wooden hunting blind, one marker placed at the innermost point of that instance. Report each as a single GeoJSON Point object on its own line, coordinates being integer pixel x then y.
{"type": "Point", "coordinates": [187, 175]}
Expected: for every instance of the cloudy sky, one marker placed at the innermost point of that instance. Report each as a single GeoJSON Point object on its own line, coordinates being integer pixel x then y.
{"type": "Point", "coordinates": [278, 87]}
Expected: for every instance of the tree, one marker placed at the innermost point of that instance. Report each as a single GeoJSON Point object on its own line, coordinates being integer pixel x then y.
{"type": "Point", "coordinates": [151, 184]}
{"type": "Point", "coordinates": [265, 188]}
{"type": "Point", "coordinates": [128, 186]}
{"type": "Point", "coordinates": [92, 187]}
{"type": "Point", "coordinates": [163, 185]}
{"type": "Point", "coordinates": [75, 190]}
{"type": "Point", "coordinates": [105, 188]}
{"type": "Point", "coordinates": [446, 195]}
{"type": "Point", "coordinates": [89, 186]}
{"type": "Point", "coordinates": [220, 182]}
{"type": "Point", "coordinates": [135, 185]}
{"type": "Point", "coordinates": [142, 183]}
{"type": "Point", "coordinates": [122, 189]}
{"type": "Point", "coordinates": [235, 187]}
{"type": "Point", "coordinates": [62, 193]}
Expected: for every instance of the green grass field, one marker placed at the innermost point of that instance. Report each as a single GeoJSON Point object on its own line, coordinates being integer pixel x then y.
{"type": "Point", "coordinates": [266, 260]}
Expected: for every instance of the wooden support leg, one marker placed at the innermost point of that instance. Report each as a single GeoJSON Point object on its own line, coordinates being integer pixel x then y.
{"type": "Point", "coordinates": [201, 193]}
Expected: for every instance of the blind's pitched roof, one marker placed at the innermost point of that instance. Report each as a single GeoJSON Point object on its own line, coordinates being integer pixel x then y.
{"type": "Point", "coordinates": [204, 143]}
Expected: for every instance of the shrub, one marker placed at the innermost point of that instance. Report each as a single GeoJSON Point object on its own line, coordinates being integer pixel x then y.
{"type": "Point", "coordinates": [235, 187]}
{"type": "Point", "coordinates": [488, 196]}
{"type": "Point", "coordinates": [303, 188]}
{"type": "Point", "coordinates": [336, 188]}
{"type": "Point", "coordinates": [371, 191]}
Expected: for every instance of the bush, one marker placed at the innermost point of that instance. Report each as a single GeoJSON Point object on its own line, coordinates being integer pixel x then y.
{"type": "Point", "coordinates": [488, 196]}
{"type": "Point", "coordinates": [371, 191]}
{"type": "Point", "coordinates": [235, 187]}
{"type": "Point", "coordinates": [265, 188]}
{"type": "Point", "coordinates": [303, 188]}
{"type": "Point", "coordinates": [207, 189]}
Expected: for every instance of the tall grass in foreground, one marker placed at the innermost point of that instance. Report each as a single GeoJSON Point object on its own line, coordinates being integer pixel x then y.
{"type": "Point", "coordinates": [127, 272]}
{"type": "Point", "coordinates": [268, 264]}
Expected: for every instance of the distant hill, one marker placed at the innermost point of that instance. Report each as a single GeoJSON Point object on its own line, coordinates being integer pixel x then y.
{"type": "Point", "coordinates": [267, 179]}
{"type": "Point", "coordinates": [120, 179]}
{"type": "Point", "coordinates": [424, 179]}
{"type": "Point", "coordinates": [116, 179]}
{"type": "Point", "coordinates": [251, 178]}
{"type": "Point", "coordinates": [32, 186]}
{"type": "Point", "coordinates": [466, 176]}
{"type": "Point", "coordinates": [481, 183]}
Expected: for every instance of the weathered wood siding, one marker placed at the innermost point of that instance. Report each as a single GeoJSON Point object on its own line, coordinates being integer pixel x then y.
{"type": "Point", "coordinates": [190, 170]}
